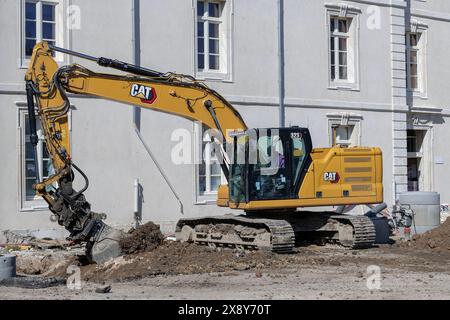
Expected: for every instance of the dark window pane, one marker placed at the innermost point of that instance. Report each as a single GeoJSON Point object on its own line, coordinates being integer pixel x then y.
{"type": "Point", "coordinates": [30, 10]}
{"type": "Point", "coordinates": [30, 170]}
{"type": "Point", "coordinates": [342, 58]}
{"type": "Point", "coordinates": [214, 10]}
{"type": "Point", "coordinates": [216, 169]}
{"type": "Point", "coordinates": [343, 25]}
{"type": "Point", "coordinates": [414, 82]}
{"type": "Point", "coordinates": [213, 62]}
{"type": "Point", "coordinates": [29, 150]}
{"type": "Point", "coordinates": [333, 58]}
{"type": "Point", "coordinates": [45, 154]}
{"type": "Point", "coordinates": [30, 193]}
{"type": "Point", "coordinates": [332, 24]}
{"type": "Point", "coordinates": [332, 43]}
{"type": "Point", "coordinates": [414, 40]}
{"type": "Point", "coordinates": [48, 12]}
{"type": "Point", "coordinates": [200, 29]}
{"type": "Point", "coordinates": [200, 8]}
{"type": "Point", "coordinates": [342, 44]}
{"type": "Point", "coordinates": [333, 72]}
{"type": "Point", "coordinates": [202, 168]}
{"type": "Point", "coordinates": [214, 30]}
{"type": "Point", "coordinates": [201, 61]}
{"type": "Point", "coordinates": [48, 31]}
{"type": "Point", "coordinates": [413, 69]}
{"type": "Point", "coordinates": [202, 184]}
{"type": "Point", "coordinates": [27, 128]}
{"type": "Point", "coordinates": [413, 55]}
{"type": "Point", "coordinates": [215, 183]}
{"type": "Point", "coordinates": [343, 73]}
{"type": "Point", "coordinates": [201, 45]}
{"type": "Point", "coordinates": [30, 29]}
{"type": "Point", "coordinates": [29, 45]}
{"type": "Point", "coordinates": [213, 46]}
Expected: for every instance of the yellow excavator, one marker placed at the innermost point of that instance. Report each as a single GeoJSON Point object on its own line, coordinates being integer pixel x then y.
{"type": "Point", "coordinates": [271, 172]}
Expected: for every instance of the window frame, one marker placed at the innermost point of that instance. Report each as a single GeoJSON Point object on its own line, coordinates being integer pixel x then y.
{"type": "Point", "coordinates": [61, 33]}
{"type": "Point", "coordinates": [337, 36]}
{"type": "Point", "coordinates": [224, 73]}
{"type": "Point", "coordinates": [345, 119]}
{"type": "Point", "coordinates": [200, 148]}
{"type": "Point", "coordinates": [421, 49]}
{"type": "Point", "coordinates": [424, 154]}
{"type": "Point", "coordinates": [344, 11]}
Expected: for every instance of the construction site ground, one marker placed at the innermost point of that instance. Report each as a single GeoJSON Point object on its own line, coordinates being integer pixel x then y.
{"type": "Point", "coordinates": [172, 270]}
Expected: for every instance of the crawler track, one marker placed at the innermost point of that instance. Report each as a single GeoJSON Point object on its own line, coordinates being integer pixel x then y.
{"type": "Point", "coordinates": [277, 234]}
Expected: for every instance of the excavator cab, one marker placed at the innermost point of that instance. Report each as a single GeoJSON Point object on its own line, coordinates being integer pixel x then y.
{"type": "Point", "coordinates": [269, 164]}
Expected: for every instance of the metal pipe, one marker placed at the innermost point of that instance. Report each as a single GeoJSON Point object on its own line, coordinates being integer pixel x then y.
{"type": "Point", "coordinates": [73, 53]}
{"type": "Point", "coordinates": [137, 202]}
{"type": "Point", "coordinates": [136, 39]}
{"type": "Point", "coordinates": [111, 63]}
{"type": "Point", "coordinates": [281, 80]}
{"type": "Point", "coordinates": [161, 171]}
{"type": "Point", "coordinates": [136, 42]}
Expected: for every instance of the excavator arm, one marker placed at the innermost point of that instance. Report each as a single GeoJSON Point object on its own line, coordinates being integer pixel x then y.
{"type": "Point", "coordinates": [47, 87]}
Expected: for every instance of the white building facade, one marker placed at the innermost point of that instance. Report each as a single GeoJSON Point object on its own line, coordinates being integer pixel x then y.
{"type": "Point", "coordinates": [360, 72]}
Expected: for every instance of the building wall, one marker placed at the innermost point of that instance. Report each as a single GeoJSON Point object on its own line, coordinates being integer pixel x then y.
{"type": "Point", "coordinates": [107, 148]}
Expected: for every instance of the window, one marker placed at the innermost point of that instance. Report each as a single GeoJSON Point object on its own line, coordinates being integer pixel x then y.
{"type": "Point", "coordinates": [415, 61]}
{"type": "Point", "coordinates": [339, 30]}
{"type": "Point", "coordinates": [344, 136]}
{"type": "Point", "coordinates": [415, 141]}
{"type": "Point", "coordinates": [210, 174]}
{"type": "Point", "coordinates": [413, 54]}
{"type": "Point", "coordinates": [212, 38]}
{"type": "Point", "coordinates": [343, 50]}
{"type": "Point", "coordinates": [344, 129]}
{"type": "Point", "coordinates": [42, 21]}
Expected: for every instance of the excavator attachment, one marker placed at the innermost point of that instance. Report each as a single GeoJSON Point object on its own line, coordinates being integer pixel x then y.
{"type": "Point", "coordinates": [104, 245]}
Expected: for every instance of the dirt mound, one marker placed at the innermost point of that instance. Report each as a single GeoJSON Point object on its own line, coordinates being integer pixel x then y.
{"type": "Point", "coordinates": [437, 239]}
{"type": "Point", "coordinates": [173, 258]}
{"type": "Point", "coordinates": [144, 238]}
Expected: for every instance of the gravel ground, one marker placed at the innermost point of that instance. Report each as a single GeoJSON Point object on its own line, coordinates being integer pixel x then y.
{"type": "Point", "coordinates": [307, 283]}
{"type": "Point", "coordinates": [312, 273]}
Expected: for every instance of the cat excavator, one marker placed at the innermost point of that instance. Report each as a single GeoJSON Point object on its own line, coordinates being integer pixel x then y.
{"type": "Point", "coordinates": [272, 173]}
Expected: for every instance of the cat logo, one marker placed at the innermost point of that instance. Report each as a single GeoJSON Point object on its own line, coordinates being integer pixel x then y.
{"type": "Point", "coordinates": [146, 94]}
{"type": "Point", "coordinates": [332, 177]}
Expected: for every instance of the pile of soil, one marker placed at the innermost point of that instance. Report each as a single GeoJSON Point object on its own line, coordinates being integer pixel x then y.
{"type": "Point", "coordinates": [172, 258]}
{"type": "Point", "coordinates": [144, 238]}
{"type": "Point", "coordinates": [437, 239]}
